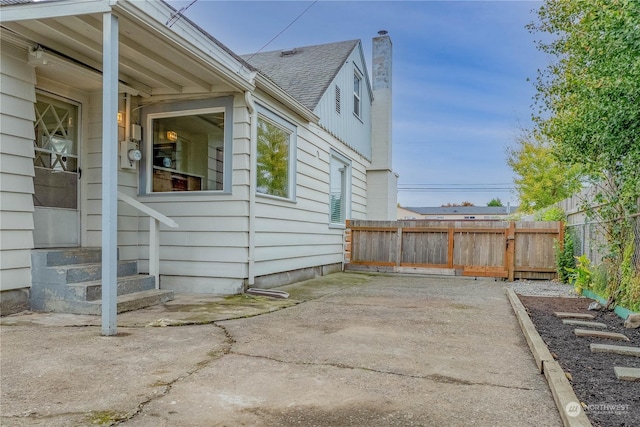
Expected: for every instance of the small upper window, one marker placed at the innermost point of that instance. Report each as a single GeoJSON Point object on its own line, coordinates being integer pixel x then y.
{"type": "Point", "coordinates": [357, 93]}
{"type": "Point", "coordinates": [338, 106]}
{"type": "Point", "coordinates": [276, 155]}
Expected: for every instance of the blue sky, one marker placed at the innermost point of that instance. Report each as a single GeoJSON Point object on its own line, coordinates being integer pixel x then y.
{"type": "Point", "coordinates": [460, 71]}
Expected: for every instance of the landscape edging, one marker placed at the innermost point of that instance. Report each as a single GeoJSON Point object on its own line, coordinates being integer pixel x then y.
{"type": "Point", "coordinates": [561, 389]}
{"type": "Point", "coordinates": [622, 312]}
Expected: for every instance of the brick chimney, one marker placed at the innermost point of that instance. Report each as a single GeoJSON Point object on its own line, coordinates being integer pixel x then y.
{"type": "Point", "coordinates": [382, 182]}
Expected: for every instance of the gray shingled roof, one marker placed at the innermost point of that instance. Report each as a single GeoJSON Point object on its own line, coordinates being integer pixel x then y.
{"type": "Point", "coordinates": [464, 210]}
{"type": "Point", "coordinates": [10, 2]}
{"type": "Point", "coordinates": [304, 72]}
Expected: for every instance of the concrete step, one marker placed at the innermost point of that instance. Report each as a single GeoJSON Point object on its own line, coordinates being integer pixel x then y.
{"type": "Point", "coordinates": [92, 291]}
{"type": "Point", "coordinates": [68, 280]}
{"type": "Point", "coordinates": [600, 334]}
{"type": "Point", "coordinates": [569, 315]}
{"type": "Point", "coordinates": [79, 273]}
{"type": "Point", "coordinates": [584, 323]}
{"type": "Point", "coordinates": [128, 302]}
{"type": "Point", "coordinates": [627, 374]}
{"type": "Point", "coordinates": [618, 349]}
{"type": "Point", "coordinates": [46, 296]}
{"type": "Point", "coordinates": [65, 256]}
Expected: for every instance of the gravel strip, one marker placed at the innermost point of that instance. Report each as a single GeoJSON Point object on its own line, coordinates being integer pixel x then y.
{"type": "Point", "coordinates": [542, 288]}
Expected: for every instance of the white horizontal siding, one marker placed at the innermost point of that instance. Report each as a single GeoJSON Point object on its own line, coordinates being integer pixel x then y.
{"type": "Point", "coordinates": [354, 131]}
{"type": "Point", "coordinates": [15, 278]}
{"type": "Point", "coordinates": [209, 249]}
{"type": "Point", "coordinates": [17, 96]}
{"type": "Point", "coordinates": [293, 235]}
{"type": "Point", "coordinates": [15, 259]}
{"type": "Point", "coordinates": [271, 267]}
{"type": "Point", "coordinates": [92, 184]}
{"type": "Point", "coordinates": [11, 182]}
{"type": "Point", "coordinates": [12, 220]}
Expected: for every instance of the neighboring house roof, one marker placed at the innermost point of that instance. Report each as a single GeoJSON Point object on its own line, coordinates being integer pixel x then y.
{"type": "Point", "coordinates": [304, 72]}
{"type": "Point", "coordinates": [464, 210]}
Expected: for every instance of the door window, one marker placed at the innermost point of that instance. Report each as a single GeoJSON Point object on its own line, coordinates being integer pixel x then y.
{"type": "Point", "coordinates": [56, 154]}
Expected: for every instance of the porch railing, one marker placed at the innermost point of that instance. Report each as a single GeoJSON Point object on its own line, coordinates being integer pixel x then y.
{"type": "Point", "coordinates": [155, 218]}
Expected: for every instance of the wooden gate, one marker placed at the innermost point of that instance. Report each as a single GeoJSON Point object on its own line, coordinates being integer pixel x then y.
{"type": "Point", "coordinates": [511, 250]}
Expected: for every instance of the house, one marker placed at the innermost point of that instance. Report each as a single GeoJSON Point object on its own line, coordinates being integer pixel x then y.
{"type": "Point", "coordinates": [456, 212]}
{"type": "Point", "coordinates": [128, 128]}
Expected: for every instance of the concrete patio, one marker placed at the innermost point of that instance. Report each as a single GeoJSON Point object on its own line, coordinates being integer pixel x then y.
{"type": "Point", "coordinates": [343, 350]}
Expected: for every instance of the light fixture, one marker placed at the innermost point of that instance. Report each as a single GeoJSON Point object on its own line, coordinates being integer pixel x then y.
{"type": "Point", "coordinates": [172, 135]}
{"type": "Point", "coordinates": [120, 117]}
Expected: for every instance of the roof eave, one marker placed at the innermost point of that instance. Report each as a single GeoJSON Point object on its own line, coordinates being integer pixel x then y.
{"type": "Point", "coordinates": [43, 10]}
{"type": "Point", "coordinates": [154, 14]}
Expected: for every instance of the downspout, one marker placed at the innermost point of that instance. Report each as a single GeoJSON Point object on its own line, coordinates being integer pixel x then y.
{"type": "Point", "coordinates": [253, 132]}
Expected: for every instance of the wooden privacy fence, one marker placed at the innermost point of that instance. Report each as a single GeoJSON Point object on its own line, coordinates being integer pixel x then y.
{"type": "Point", "coordinates": [512, 250]}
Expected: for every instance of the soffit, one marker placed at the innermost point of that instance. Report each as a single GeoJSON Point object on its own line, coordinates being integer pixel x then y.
{"type": "Point", "coordinates": [151, 63]}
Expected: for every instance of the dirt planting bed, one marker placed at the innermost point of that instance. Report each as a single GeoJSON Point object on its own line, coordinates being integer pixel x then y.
{"type": "Point", "coordinates": [606, 400]}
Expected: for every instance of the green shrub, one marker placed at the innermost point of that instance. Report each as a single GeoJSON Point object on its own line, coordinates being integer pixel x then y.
{"type": "Point", "coordinates": [581, 276]}
{"type": "Point", "coordinates": [600, 280]}
{"type": "Point", "coordinates": [564, 257]}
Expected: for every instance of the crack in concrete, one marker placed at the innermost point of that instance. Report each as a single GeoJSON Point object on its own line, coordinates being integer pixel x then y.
{"type": "Point", "coordinates": [212, 356]}
{"type": "Point", "coordinates": [433, 377]}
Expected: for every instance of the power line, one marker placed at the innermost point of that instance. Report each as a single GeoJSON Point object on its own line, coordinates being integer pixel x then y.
{"type": "Point", "coordinates": [464, 184]}
{"type": "Point", "coordinates": [457, 188]}
{"type": "Point", "coordinates": [283, 30]}
{"type": "Point", "coordinates": [177, 15]}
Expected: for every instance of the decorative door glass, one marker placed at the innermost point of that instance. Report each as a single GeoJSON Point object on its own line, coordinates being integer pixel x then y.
{"type": "Point", "coordinates": [56, 154]}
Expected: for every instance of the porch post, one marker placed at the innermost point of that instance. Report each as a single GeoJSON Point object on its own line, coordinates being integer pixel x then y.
{"type": "Point", "coordinates": [109, 173]}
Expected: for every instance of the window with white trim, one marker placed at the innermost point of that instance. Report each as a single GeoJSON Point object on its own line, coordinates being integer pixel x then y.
{"type": "Point", "coordinates": [275, 160]}
{"type": "Point", "coordinates": [188, 146]}
{"type": "Point", "coordinates": [357, 93]}
{"type": "Point", "coordinates": [339, 189]}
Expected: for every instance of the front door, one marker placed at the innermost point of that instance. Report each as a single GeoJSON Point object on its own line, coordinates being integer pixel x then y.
{"type": "Point", "coordinates": [56, 181]}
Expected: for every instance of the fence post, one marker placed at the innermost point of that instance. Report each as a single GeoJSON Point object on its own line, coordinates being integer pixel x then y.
{"type": "Point", "coordinates": [510, 255]}
{"type": "Point", "coordinates": [561, 232]}
{"type": "Point", "coordinates": [399, 247]}
{"type": "Point", "coordinates": [450, 237]}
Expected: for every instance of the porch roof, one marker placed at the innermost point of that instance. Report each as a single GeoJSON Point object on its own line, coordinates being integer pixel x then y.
{"type": "Point", "coordinates": [158, 55]}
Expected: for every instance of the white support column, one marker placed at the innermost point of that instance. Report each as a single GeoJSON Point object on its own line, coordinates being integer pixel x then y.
{"type": "Point", "coordinates": [109, 173]}
{"type": "Point", "coordinates": [154, 250]}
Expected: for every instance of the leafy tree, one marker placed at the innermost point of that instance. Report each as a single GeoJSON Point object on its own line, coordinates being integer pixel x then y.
{"type": "Point", "coordinates": [541, 179]}
{"type": "Point", "coordinates": [495, 202]}
{"type": "Point", "coordinates": [588, 107]}
{"type": "Point", "coordinates": [273, 159]}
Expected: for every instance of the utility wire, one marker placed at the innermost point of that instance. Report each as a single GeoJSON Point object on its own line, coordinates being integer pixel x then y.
{"type": "Point", "coordinates": [175, 17]}
{"type": "Point", "coordinates": [283, 30]}
{"type": "Point", "coordinates": [457, 187]}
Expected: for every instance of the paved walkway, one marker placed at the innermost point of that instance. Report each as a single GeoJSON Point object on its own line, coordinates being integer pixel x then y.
{"type": "Point", "coordinates": [361, 351]}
